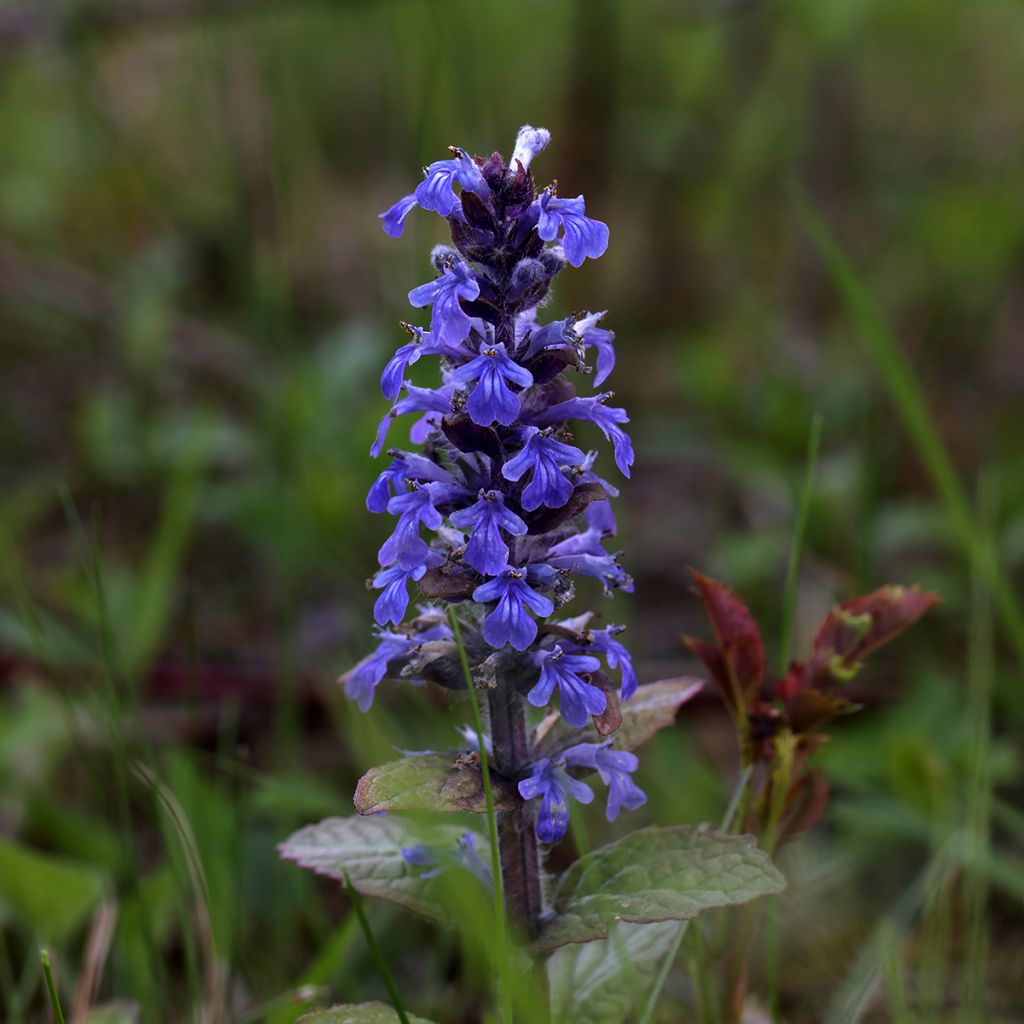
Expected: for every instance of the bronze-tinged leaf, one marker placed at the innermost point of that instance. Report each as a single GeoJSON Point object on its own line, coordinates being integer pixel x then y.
{"type": "Point", "coordinates": [810, 708]}
{"type": "Point", "coordinates": [736, 633]}
{"type": "Point", "coordinates": [653, 707]}
{"type": "Point", "coordinates": [476, 211]}
{"type": "Point", "coordinates": [805, 804]}
{"type": "Point", "coordinates": [443, 783]}
{"type": "Point", "coordinates": [545, 519]}
{"type": "Point", "coordinates": [610, 719]}
{"type": "Point", "coordinates": [443, 585]}
{"type": "Point", "coordinates": [470, 437]}
{"type": "Point", "coordinates": [714, 661]}
{"type": "Point", "coordinates": [855, 628]}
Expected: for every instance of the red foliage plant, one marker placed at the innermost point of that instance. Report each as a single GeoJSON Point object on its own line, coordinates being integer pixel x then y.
{"type": "Point", "coordinates": [778, 720]}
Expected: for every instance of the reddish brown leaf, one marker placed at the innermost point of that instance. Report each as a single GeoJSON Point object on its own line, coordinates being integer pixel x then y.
{"type": "Point", "coordinates": [855, 628]}
{"type": "Point", "coordinates": [810, 708]}
{"type": "Point", "coordinates": [737, 638]}
{"type": "Point", "coordinates": [611, 718]}
{"type": "Point", "coordinates": [715, 663]}
{"type": "Point", "coordinates": [805, 804]}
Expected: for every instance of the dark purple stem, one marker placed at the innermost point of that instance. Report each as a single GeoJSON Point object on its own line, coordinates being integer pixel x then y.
{"type": "Point", "coordinates": [520, 859]}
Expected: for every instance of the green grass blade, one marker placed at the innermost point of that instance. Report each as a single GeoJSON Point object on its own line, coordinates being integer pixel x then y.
{"type": "Point", "coordinates": [898, 376]}
{"type": "Point", "coordinates": [500, 925]}
{"type": "Point", "coordinates": [796, 547]}
{"type": "Point", "coordinates": [978, 803]}
{"type": "Point", "coordinates": [670, 957]}
{"type": "Point", "coordinates": [51, 986]}
{"type": "Point", "coordinates": [378, 955]}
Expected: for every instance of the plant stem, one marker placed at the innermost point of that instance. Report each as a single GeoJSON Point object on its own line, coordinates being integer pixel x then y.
{"type": "Point", "coordinates": [796, 547]}
{"type": "Point", "coordinates": [520, 859]}
{"type": "Point", "coordinates": [500, 924]}
{"type": "Point", "coordinates": [670, 957]}
{"type": "Point", "coordinates": [51, 987]}
{"type": "Point", "coordinates": [378, 955]}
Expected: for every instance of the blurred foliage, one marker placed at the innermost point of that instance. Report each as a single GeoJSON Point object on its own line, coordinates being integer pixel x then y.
{"type": "Point", "coordinates": [195, 303]}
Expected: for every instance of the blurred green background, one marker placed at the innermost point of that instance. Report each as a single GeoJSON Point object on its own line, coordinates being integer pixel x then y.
{"type": "Point", "coordinates": [196, 300]}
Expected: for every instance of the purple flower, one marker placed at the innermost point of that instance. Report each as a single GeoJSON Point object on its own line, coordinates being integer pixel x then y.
{"type": "Point", "coordinates": [393, 377]}
{"type": "Point", "coordinates": [603, 641]}
{"type": "Point", "coordinates": [556, 334]}
{"type": "Point", "coordinates": [510, 622]}
{"type": "Point", "coordinates": [448, 321]}
{"type": "Point", "coordinates": [394, 217]}
{"type": "Point", "coordinates": [492, 399]}
{"type": "Point", "coordinates": [440, 859]}
{"type": "Point", "coordinates": [579, 698]}
{"type": "Point", "coordinates": [436, 192]}
{"type": "Point", "coordinates": [428, 400]}
{"type": "Point", "coordinates": [394, 599]}
{"type": "Point", "coordinates": [481, 499]}
{"type": "Point", "coordinates": [544, 456]}
{"type": "Point", "coordinates": [593, 336]}
{"type": "Point", "coordinates": [404, 466]}
{"type": "Point", "coordinates": [582, 553]}
{"type": "Point", "coordinates": [405, 546]}
{"type": "Point", "coordinates": [582, 236]}
{"type": "Point", "coordinates": [607, 419]}
{"type": "Point", "coordinates": [553, 786]}
{"type": "Point", "coordinates": [361, 681]}
{"type": "Point", "coordinates": [487, 551]}
{"type": "Point", "coordinates": [615, 768]}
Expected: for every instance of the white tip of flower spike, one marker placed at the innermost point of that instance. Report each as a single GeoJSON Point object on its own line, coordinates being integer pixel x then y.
{"type": "Point", "coordinates": [529, 142]}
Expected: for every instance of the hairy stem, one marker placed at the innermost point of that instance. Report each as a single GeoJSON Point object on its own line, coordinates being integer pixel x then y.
{"type": "Point", "coordinates": [501, 936]}
{"type": "Point", "coordinates": [520, 860]}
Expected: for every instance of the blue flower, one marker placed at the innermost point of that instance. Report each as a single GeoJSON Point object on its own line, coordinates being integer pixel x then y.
{"type": "Point", "coordinates": [405, 546]}
{"type": "Point", "coordinates": [582, 236]}
{"type": "Point", "coordinates": [436, 192]}
{"type": "Point", "coordinates": [393, 377]}
{"type": "Point", "coordinates": [529, 142]}
{"type": "Point", "coordinates": [448, 321]}
{"type": "Point", "coordinates": [394, 586]}
{"type": "Point", "coordinates": [394, 216]}
{"type": "Point", "coordinates": [487, 551]}
{"type": "Point", "coordinates": [600, 338]}
{"type": "Point", "coordinates": [579, 698]}
{"type": "Point", "coordinates": [492, 399]}
{"type": "Point", "coordinates": [603, 641]}
{"type": "Point", "coordinates": [428, 400]}
{"type": "Point", "coordinates": [553, 785]}
{"type": "Point", "coordinates": [361, 681]}
{"type": "Point", "coordinates": [509, 622]}
{"type": "Point", "coordinates": [544, 456]}
{"type": "Point", "coordinates": [596, 411]}
{"type": "Point", "coordinates": [404, 466]}
{"type": "Point", "coordinates": [440, 859]}
{"type": "Point", "coordinates": [582, 553]}
{"type": "Point", "coordinates": [615, 767]}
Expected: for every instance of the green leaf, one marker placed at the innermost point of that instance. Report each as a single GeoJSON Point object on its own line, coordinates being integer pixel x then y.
{"type": "Point", "coordinates": [604, 982]}
{"type": "Point", "coordinates": [120, 1012]}
{"type": "Point", "coordinates": [657, 874]}
{"type": "Point", "coordinates": [49, 894]}
{"type": "Point", "coordinates": [370, 850]}
{"type": "Point", "coordinates": [446, 783]}
{"type": "Point", "coordinates": [357, 1013]}
{"type": "Point", "coordinates": [653, 707]}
